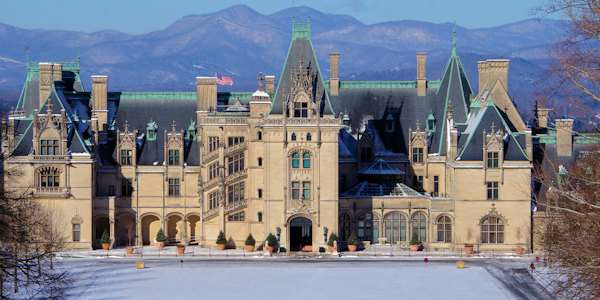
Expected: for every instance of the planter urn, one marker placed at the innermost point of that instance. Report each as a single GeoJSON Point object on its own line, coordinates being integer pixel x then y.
{"type": "Point", "coordinates": [221, 246]}
{"type": "Point", "coordinates": [250, 248]}
{"type": "Point", "coordinates": [331, 249]}
{"type": "Point", "coordinates": [414, 248]}
{"type": "Point", "coordinates": [129, 250]}
{"type": "Point", "coordinates": [519, 250]}
{"type": "Point", "coordinates": [159, 245]}
{"type": "Point", "coordinates": [468, 250]}
{"type": "Point", "coordinates": [352, 248]}
{"type": "Point", "coordinates": [271, 249]}
{"type": "Point", "coordinates": [105, 246]}
{"type": "Point", "coordinates": [180, 249]}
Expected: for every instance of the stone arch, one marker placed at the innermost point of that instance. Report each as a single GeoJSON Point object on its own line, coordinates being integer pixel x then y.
{"type": "Point", "coordinates": [444, 228]}
{"type": "Point", "coordinates": [301, 232]}
{"type": "Point", "coordinates": [151, 223]}
{"type": "Point", "coordinates": [194, 227]}
{"type": "Point", "coordinates": [101, 223]}
{"type": "Point", "coordinates": [367, 224]}
{"type": "Point", "coordinates": [125, 229]}
{"type": "Point", "coordinates": [344, 225]}
{"type": "Point", "coordinates": [395, 226]}
{"type": "Point", "coordinates": [418, 223]}
{"type": "Point", "coordinates": [175, 228]}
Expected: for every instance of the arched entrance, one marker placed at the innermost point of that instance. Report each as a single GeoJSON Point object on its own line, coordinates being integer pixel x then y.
{"type": "Point", "coordinates": [125, 230]}
{"type": "Point", "coordinates": [194, 228]}
{"type": "Point", "coordinates": [300, 233]}
{"type": "Point", "coordinates": [150, 226]}
{"type": "Point", "coordinates": [102, 224]}
{"type": "Point", "coordinates": [174, 229]}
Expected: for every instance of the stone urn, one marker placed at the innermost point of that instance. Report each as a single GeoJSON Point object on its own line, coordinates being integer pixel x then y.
{"type": "Point", "coordinates": [519, 250]}
{"type": "Point", "coordinates": [468, 249]}
{"type": "Point", "coordinates": [250, 248]}
{"type": "Point", "coordinates": [414, 248]}
{"type": "Point", "coordinates": [159, 245]}
{"type": "Point", "coordinates": [221, 246]}
{"type": "Point", "coordinates": [105, 246]}
{"type": "Point", "coordinates": [129, 250]}
{"type": "Point", "coordinates": [352, 248]}
{"type": "Point", "coordinates": [180, 249]}
{"type": "Point", "coordinates": [271, 249]}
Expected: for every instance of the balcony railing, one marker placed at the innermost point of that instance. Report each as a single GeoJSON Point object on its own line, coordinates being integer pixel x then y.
{"type": "Point", "coordinates": [236, 148]}
{"type": "Point", "coordinates": [235, 176]}
{"type": "Point", "coordinates": [209, 214]}
{"type": "Point", "coordinates": [50, 157]}
{"type": "Point", "coordinates": [210, 156]}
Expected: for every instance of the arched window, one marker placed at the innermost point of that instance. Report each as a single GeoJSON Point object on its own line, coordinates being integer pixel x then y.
{"type": "Point", "coordinates": [345, 227]}
{"type": "Point", "coordinates": [395, 227]}
{"type": "Point", "coordinates": [259, 193]}
{"type": "Point", "coordinates": [368, 227]}
{"type": "Point", "coordinates": [492, 230]}
{"type": "Point", "coordinates": [295, 160]}
{"type": "Point", "coordinates": [306, 160]}
{"type": "Point", "coordinates": [419, 226]}
{"type": "Point", "coordinates": [444, 229]}
{"type": "Point", "coordinates": [293, 136]}
{"type": "Point", "coordinates": [260, 217]}
{"type": "Point", "coordinates": [308, 137]}
{"type": "Point", "coordinates": [260, 161]}
{"type": "Point", "coordinates": [49, 178]}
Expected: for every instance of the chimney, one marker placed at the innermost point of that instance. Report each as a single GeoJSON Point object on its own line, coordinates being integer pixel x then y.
{"type": "Point", "coordinates": [421, 74]}
{"type": "Point", "coordinates": [334, 78]}
{"type": "Point", "coordinates": [99, 100]}
{"type": "Point", "coordinates": [528, 143]}
{"type": "Point", "coordinates": [498, 71]}
{"type": "Point", "coordinates": [45, 81]}
{"type": "Point", "coordinates": [564, 137]}
{"type": "Point", "coordinates": [270, 83]}
{"type": "Point", "coordinates": [542, 117]}
{"type": "Point", "coordinates": [482, 67]}
{"type": "Point", "coordinates": [57, 72]}
{"type": "Point", "coordinates": [206, 88]}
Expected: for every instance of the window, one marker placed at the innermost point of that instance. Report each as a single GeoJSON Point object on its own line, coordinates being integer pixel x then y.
{"type": "Point", "coordinates": [306, 160]}
{"type": "Point", "coordinates": [235, 192]}
{"type": "Point", "coordinates": [213, 171]}
{"type": "Point", "coordinates": [417, 154]}
{"type": "Point", "coordinates": [259, 216]}
{"type": "Point", "coordinates": [260, 135]}
{"type": "Point", "coordinates": [300, 110]}
{"type": "Point", "coordinates": [151, 134]}
{"type": "Point", "coordinates": [418, 182]}
{"type": "Point", "coordinates": [259, 193]}
{"type": "Point", "coordinates": [295, 160]}
{"type": "Point", "coordinates": [173, 186]}
{"type": "Point", "coordinates": [235, 163]}
{"type": "Point", "coordinates": [395, 227]}
{"type": "Point", "coordinates": [368, 227]}
{"type": "Point", "coordinates": [492, 230]}
{"type": "Point", "coordinates": [234, 140]}
{"type": "Point", "coordinates": [308, 137]}
{"type": "Point", "coordinates": [492, 190]}
{"type": "Point", "coordinates": [49, 147]}
{"type": "Point", "coordinates": [295, 190]}
{"type": "Point", "coordinates": [173, 157]}
{"type": "Point", "coordinates": [260, 161]}
{"type": "Point", "coordinates": [389, 123]}
{"type": "Point", "coordinates": [492, 160]}
{"type": "Point", "coordinates": [365, 154]}
{"type": "Point", "coordinates": [126, 157]}
{"type": "Point", "coordinates": [344, 227]}
{"type": "Point", "coordinates": [436, 185]}
{"type": "Point", "coordinates": [126, 187]}
{"type": "Point", "coordinates": [213, 200]}
{"type": "Point", "coordinates": [293, 136]}
{"type": "Point", "coordinates": [444, 229]}
{"type": "Point", "coordinates": [76, 232]}
{"type": "Point", "coordinates": [419, 226]}
{"type": "Point", "coordinates": [111, 190]}
{"type": "Point", "coordinates": [213, 143]}
{"type": "Point", "coordinates": [237, 217]}
{"type": "Point", "coordinates": [49, 178]}
{"type": "Point", "coordinates": [306, 190]}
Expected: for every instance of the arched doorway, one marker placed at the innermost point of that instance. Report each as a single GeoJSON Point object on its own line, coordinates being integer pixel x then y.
{"type": "Point", "coordinates": [300, 233]}
{"type": "Point", "coordinates": [125, 230]}
{"type": "Point", "coordinates": [194, 228]}
{"type": "Point", "coordinates": [150, 226]}
{"type": "Point", "coordinates": [174, 229]}
{"type": "Point", "coordinates": [102, 224]}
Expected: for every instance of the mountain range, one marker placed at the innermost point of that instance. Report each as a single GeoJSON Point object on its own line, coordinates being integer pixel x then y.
{"type": "Point", "coordinates": [240, 42]}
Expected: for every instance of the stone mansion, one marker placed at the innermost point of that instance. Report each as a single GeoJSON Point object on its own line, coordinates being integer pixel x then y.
{"type": "Point", "coordinates": [302, 155]}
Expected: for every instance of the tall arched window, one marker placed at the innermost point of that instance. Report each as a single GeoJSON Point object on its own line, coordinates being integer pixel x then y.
{"type": "Point", "coordinates": [395, 227]}
{"type": "Point", "coordinates": [345, 227]}
{"type": "Point", "coordinates": [419, 225]}
{"type": "Point", "coordinates": [260, 161]}
{"type": "Point", "coordinates": [295, 160]}
{"type": "Point", "coordinates": [306, 160]}
{"type": "Point", "coordinates": [293, 136]}
{"type": "Point", "coordinates": [49, 178]}
{"type": "Point", "coordinates": [308, 137]}
{"type": "Point", "coordinates": [492, 230]}
{"type": "Point", "coordinates": [444, 229]}
{"type": "Point", "coordinates": [368, 227]}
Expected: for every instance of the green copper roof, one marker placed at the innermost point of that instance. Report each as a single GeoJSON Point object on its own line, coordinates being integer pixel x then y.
{"type": "Point", "coordinates": [301, 31]}
{"type": "Point", "coordinates": [158, 96]}
{"type": "Point", "coordinates": [383, 84]}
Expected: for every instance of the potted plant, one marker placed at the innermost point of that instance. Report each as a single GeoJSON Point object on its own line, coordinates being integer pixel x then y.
{"type": "Point", "coordinates": [130, 235]}
{"type": "Point", "coordinates": [271, 242]}
{"type": "Point", "coordinates": [468, 246]}
{"type": "Point", "coordinates": [221, 241]}
{"type": "Point", "coordinates": [331, 242]}
{"type": "Point", "coordinates": [105, 240]}
{"type": "Point", "coordinates": [250, 242]}
{"type": "Point", "coordinates": [180, 249]}
{"type": "Point", "coordinates": [160, 239]}
{"type": "Point", "coordinates": [519, 249]}
{"type": "Point", "coordinates": [414, 243]}
{"type": "Point", "coordinates": [352, 242]}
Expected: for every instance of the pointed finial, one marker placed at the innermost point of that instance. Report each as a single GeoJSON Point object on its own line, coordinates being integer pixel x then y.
{"type": "Point", "coordinates": [454, 40]}
{"type": "Point", "coordinates": [27, 51]}
{"type": "Point", "coordinates": [308, 13]}
{"type": "Point", "coordinates": [173, 126]}
{"type": "Point", "coordinates": [449, 109]}
{"type": "Point", "coordinates": [493, 128]}
{"type": "Point", "coordinates": [301, 61]}
{"type": "Point", "coordinates": [49, 106]}
{"type": "Point", "coordinates": [78, 54]}
{"type": "Point", "coordinates": [418, 125]}
{"type": "Point", "coordinates": [126, 125]}
{"type": "Point", "coordinates": [260, 79]}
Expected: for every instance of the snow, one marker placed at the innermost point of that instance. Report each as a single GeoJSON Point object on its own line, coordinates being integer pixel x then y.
{"type": "Point", "coordinates": [276, 278]}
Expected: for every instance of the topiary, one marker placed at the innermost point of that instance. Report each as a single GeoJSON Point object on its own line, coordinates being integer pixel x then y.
{"type": "Point", "coordinates": [221, 239]}
{"type": "Point", "coordinates": [415, 239]}
{"type": "Point", "coordinates": [105, 239]}
{"type": "Point", "coordinates": [332, 238]}
{"type": "Point", "coordinates": [250, 240]}
{"type": "Point", "coordinates": [271, 240]}
{"type": "Point", "coordinates": [160, 236]}
{"type": "Point", "coordinates": [352, 240]}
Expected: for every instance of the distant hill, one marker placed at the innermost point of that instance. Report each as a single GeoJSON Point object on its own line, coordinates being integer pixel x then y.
{"type": "Point", "coordinates": [240, 42]}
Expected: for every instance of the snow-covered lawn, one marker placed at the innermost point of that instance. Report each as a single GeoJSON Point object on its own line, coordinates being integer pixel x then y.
{"type": "Point", "coordinates": [273, 278]}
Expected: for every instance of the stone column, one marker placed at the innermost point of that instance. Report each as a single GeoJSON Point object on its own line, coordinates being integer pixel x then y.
{"type": "Point", "coordinates": [112, 220]}
{"type": "Point", "coordinates": [185, 235]}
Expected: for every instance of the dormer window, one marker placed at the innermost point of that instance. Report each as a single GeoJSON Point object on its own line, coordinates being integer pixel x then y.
{"type": "Point", "coordinates": [126, 157]}
{"type": "Point", "coordinates": [389, 123]}
{"type": "Point", "coordinates": [430, 123]}
{"type": "Point", "coordinates": [300, 110]}
{"type": "Point", "coordinates": [191, 132]}
{"type": "Point", "coordinates": [151, 130]}
{"type": "Point", "coordinates": [173, 157]}
{"type": "Point", "coordinates": [492, 160]}
{"type": "Point", "coordinates": [49, 147]}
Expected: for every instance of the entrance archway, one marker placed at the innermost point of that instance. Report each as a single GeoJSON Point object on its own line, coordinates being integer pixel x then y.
{"type": "Point", "coordinates": [150, 227]}
{"type": "Point", "coordinates": [102, 224]}
{"type": "Point", "coordinates": [175, 229]}
{"type": "Point", "coordinates": [300, 233]}
{"type": "Point", "coordinates": [125, 230]}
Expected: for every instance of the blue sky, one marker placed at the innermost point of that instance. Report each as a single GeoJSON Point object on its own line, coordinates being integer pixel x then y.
{"type": "Point", "coordinates": [137, 16]}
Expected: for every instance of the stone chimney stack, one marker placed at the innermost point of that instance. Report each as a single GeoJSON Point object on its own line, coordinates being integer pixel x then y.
{"type": "Point", "coordinates": [57, 72]}
{"type": "Point", "coordinates": [564, 137]}
{"type": "Point", "coordinates": [421, 74]}
{"type": "Point", "coordinates": [206, 88]}
{"type": "Point", "coordinates": [498, 71]}
{"type": "Point", "coordinates": [45, 81]}
{"type": "Point", "coordinates": [482, 67]}
{"type": "Point", "coordinates": [100, 101]}
{"type": "Point", "coordinates": [543, 115]}
{"type": "Point", "coordinates": [334, 78]}
{"type": "Point", "coordinates": [270, 83]}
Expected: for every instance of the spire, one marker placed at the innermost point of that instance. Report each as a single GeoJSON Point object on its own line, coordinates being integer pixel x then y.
{"type": "Point", "coordinates": [454, 40]}
{"type": "Point", "coordinates": [27, 51]}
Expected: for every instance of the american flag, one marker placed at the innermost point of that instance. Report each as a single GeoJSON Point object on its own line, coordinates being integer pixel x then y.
{"type": "Point", "coordinates": [224, 80]}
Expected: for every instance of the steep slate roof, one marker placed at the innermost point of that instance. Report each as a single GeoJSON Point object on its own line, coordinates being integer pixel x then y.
{"type": "Point", "coordinates": [380, 167]}
{"type": "Point", "coordinates": [300, 49]}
